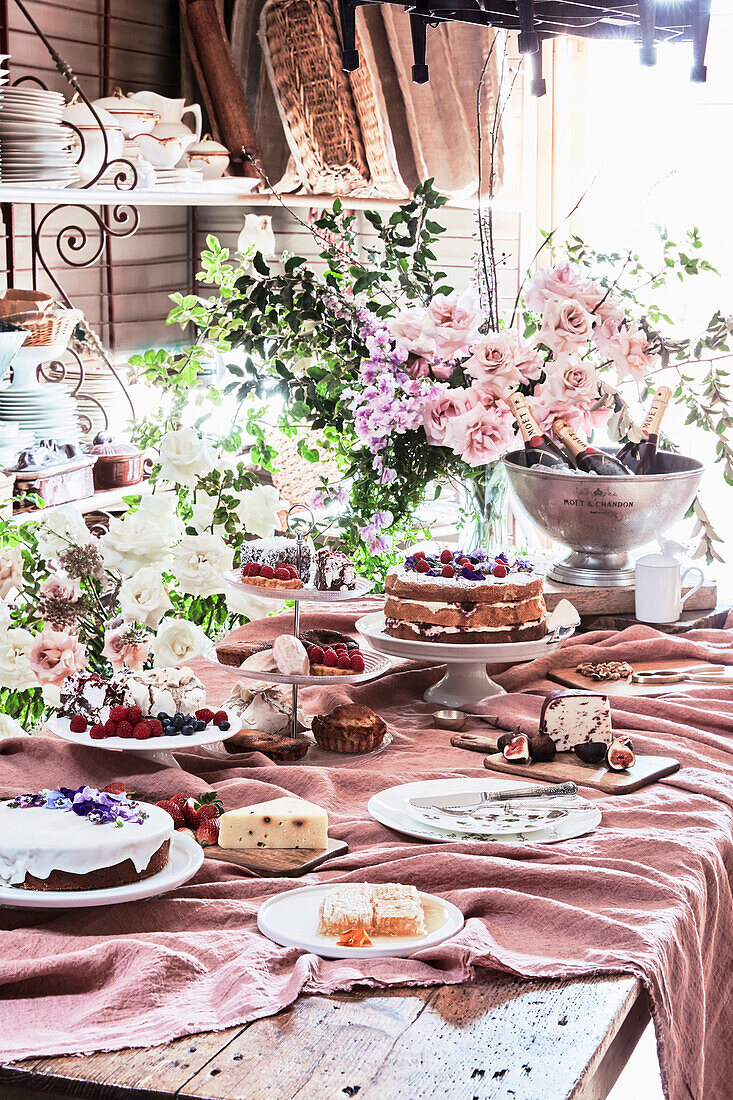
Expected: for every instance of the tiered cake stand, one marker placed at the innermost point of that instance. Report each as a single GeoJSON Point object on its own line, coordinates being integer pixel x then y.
{"type": "Point", "coordinates": [375, 664]}
{"type": "Point", "coordinates": [466, 680]}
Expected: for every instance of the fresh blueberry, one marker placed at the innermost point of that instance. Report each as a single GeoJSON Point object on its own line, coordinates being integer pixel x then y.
{"type": "Point", "coordinates": [178, 721]}
{"type": "Point", "coordinates": [187, 731]}
{"type": "Point", "coordinates": [200, 725]}
{"type": "Point", "coordinates": [224, 726]}
{"type": "Point", "coordinates": [163, 717]}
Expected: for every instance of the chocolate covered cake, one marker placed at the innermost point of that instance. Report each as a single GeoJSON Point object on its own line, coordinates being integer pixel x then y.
{"type": "Point", "coordinates": [464, 598]}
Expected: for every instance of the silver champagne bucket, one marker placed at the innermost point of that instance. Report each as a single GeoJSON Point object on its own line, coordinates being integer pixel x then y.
{"type": "Point", "coordinates": [601, 519]}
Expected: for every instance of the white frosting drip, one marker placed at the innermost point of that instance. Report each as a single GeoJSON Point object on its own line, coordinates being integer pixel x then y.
{"type": "Point", "coordinates": [38, 841]}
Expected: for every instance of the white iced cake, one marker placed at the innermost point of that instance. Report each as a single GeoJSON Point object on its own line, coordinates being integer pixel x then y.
{"type": "Point", "coordinates": [171, 690]}
{"type": "Point", "coordinates": [281, 823]}
{"type": "Point", "coordinates": [83, 839]}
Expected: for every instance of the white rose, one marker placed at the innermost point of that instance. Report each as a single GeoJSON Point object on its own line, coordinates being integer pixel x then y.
{"type": "Point", "coordinates": [60, 528]}
{"type": "Point", "coordinates": [15, 666]}
{"type": "Point", "coordinates": [185, 457]}
{"type": "Point", "coordinates": [177, 642]}
{"type": "Point", "coordinates": [143, 598]}
{"type": "Point", "coordinates": [258, 510]}
{"type": "Point", "coordinates": [252, 607]}
{"type": "Point", "coordinates": [162, 510]}
{"type": "Point", "coordinates": [198, 564]}
{"type": "Point", "coordinates": [52, 695]}
{"type": "Point", "coordinates": [10, 728]}
{"type": "Point", "coordinates": [4, 615]}
{"type": "Point", "coordinates": [203, 508]}
{"type": "Point", "coordinates": [11, 570]}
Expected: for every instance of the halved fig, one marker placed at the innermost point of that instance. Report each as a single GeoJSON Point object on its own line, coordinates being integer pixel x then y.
{"type": "Point", "coordinates": [517, 751]}
{"type": "Point", "coordinates": [619, 757]}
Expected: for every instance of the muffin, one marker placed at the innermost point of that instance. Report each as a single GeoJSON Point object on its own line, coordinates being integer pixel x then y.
{"type": "Point", "coordinates": [351, 727]}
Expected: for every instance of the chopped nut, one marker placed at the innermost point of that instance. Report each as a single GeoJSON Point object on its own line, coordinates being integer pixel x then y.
{"type": "Point", "coordinates": [606, 670]}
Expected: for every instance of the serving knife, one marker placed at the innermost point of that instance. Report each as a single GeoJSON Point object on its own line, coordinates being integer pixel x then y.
{"type": "Point", "coordinates": [558, 790]}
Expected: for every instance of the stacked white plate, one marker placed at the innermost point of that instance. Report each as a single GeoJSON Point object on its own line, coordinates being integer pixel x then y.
{"type": "Point", "coordinates": [46, 412]}
{"type": "Point", "coordinates": [34, 147]}
{"type": "Point", "coordinates": [178, 177]}
{"type": "Point", "coordinates": [101, 388]}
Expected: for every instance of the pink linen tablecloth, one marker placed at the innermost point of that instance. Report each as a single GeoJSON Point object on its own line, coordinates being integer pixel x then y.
{"type": "Point", "coordinates": [648, 893]}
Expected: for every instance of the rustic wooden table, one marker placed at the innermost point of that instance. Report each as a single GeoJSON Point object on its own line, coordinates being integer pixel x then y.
{"type": "Point", "coordinates": [498, 1038]}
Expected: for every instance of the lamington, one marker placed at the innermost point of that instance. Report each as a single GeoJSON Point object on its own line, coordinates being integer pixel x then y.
{"type": "Point", "coordinates": [459, 597]}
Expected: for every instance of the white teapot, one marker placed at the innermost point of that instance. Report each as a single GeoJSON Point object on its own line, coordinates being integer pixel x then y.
{"type": "Point", "coordinates": [171, 111]}
{"type": "Point", "coordinates": [165, 146]}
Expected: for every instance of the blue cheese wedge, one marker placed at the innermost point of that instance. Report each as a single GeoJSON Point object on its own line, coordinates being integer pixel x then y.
{"type": "Point", "coordinates": [572, 718]}
{"type": "Point", "coordinates": [281, 823]}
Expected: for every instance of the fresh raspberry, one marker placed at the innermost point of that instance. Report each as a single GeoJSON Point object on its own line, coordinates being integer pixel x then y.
{"type": "Point", "coordinates": [315, 654]}
{"type": "Point", "coordinates": [174, 810]}
{"type": "Point", "coordinates": [418, 554]}
{"type": "Point", "coordinates": [446, 557]}
{"type": "Point", "coordinates": [118, 714]}
{"type": "Point", "coordinates": [116, 788]}
{"type": "Point", "coordinates": [110, 728]}
{"type": "Point", "coordinates": [267, 572]}
{"type": "Point", "coordinates": [124, 729]}
{"type": "Point", "coordinates": [293, 571]}
{"type": "Point", "coordinates": [220, 716]}
{"type": "Point", "coordinates": [357, 661]}
{"type": "Point", "coordinates": [282, 574]}
{"type": "Point", "coordinates": [134, 715]}
{"type": "Point", "coordinates": [499, 570]}
{"type": "Point", "coordinates": [207, 833]}
{"type": "Point", "coordinates": [447, 571]}
{"type": "Point", "coordinates": [141, 732]}
{"type": "Point", "coordinates": [97, 732]}
{"type": "Point", "coordinates": [78, 724]}
{"type": "Point", "coordinates": [330, 658]}
{"type": "Point", "coordinates": [156, 727]}
{"type": "Point", "coordinates": [204, 715]}
{"type": "Point", "coordinates": [422, 566]}
{"type": "Point", "coordinates": [343, 661]}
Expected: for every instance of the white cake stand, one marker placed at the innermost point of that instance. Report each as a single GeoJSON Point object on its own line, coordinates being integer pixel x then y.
{"type": "Point", "coordinates": [159, 749]}
{"type": "Point", "coordinates": [466, 680]}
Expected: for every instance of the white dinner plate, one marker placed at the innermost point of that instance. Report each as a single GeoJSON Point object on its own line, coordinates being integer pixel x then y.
{"type": "Point", "coordinates": [374, 665]}
{"type": "Point", "coordinates": [210, 736]}
{"type": "Point", "coordinates": [389, 807]}
{"type": "Point", "coordinates": [291, 919]}
{"type": "Point", "coordinates": [234, 578]}
{"type": "Point", "coordinates": [39, 130]}
{"type": "Point", "coordinates": [186, 857]}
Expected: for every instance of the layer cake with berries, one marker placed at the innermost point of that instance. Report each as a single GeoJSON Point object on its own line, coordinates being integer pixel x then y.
{"type": "Point", "coordinates": [459, 597]}
{"type": "Point", "coordinates": [273, 562]}
{"type": "Point", "coordinates": [83, 839]}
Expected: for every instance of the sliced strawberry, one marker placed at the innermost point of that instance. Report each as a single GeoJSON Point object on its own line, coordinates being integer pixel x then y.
{"type": "Point", "coordinates": [174, 810]}
{"type": "Point", "coordinates": [208, 832]}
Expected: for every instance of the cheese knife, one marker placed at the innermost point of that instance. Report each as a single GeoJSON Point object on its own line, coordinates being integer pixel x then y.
{"type": "Point", "coordinates": [558, 790]}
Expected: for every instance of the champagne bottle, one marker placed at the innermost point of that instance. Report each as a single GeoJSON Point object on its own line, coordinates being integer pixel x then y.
{"type": "Point", "coordinates": [587, 458]}
{"type": "Point", "coordinates": [639, 457]}
{"type": "Point", "coordinates": [539, 449]}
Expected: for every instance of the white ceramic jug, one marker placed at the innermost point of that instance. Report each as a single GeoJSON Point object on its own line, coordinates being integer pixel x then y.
{"type": "Point", "coordinates": [171, 111]}
{"type": "Point", "coordinates": [659, 579]}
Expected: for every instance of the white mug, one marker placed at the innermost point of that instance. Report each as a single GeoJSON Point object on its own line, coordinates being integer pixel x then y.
{"type": "Point", "coordinates": [659, 580]}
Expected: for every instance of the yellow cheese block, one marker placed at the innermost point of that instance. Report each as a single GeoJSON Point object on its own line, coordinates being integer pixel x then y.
{"type": "Point", "coordinates": [282, 823]}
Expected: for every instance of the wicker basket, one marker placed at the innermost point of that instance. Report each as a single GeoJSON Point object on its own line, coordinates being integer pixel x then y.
{"type": "Point", "coordinates": [303, 55]}
{"type": "Point", "coordinates": [295, 477]}
{"type": "Point", "coordinates": [47, 329]}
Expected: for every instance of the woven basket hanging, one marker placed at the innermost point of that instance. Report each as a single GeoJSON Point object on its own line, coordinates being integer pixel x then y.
{"type": "Point", "coordinates": [302, 50]}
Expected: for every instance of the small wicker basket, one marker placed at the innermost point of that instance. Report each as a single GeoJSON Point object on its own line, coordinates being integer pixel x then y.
{"type": "Point", "coordinates": [51, 328]}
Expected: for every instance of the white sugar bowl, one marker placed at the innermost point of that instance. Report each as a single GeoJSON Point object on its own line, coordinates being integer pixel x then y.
{"type": "Point", "coordinates": [165, 146]}
{"type": "Point", "coordinates": [209, 157]}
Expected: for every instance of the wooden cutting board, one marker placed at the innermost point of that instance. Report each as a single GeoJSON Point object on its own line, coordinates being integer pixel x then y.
{"type": "Point", "coordinates": [566, 767]}
{"type": "Point", "coordinates": [278, 862]}
{"type": "Point", "coordinates": [568, 677]}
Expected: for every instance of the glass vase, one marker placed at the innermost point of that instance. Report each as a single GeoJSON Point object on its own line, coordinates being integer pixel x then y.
{"type": "Point", "coordinates": [485, 505]}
